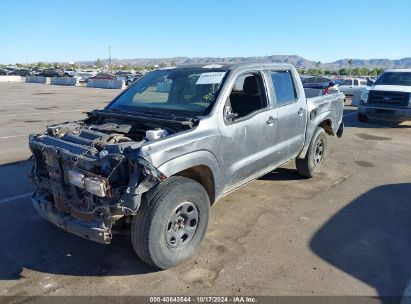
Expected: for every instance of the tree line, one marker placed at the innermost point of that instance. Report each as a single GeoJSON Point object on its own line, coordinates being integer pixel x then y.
{"type": "Point", "coordinates": [98, 64]}
{"type": "Point", "coordinates": [344, 72]}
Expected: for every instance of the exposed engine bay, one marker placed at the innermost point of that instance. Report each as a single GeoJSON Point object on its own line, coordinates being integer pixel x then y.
{"type": "Point", "coordinates": [91, 171]}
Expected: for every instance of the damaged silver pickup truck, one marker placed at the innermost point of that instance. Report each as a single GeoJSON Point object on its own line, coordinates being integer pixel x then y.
{"type": "Point", "coordinates": [161, 153]}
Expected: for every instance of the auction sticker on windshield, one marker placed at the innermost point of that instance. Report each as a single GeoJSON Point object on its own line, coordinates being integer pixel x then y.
{"type": "Point", "coordinates": [210, 78]}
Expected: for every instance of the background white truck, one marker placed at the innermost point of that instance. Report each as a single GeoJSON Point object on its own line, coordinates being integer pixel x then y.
{"type": "Point", "coordinates": [389, 97]}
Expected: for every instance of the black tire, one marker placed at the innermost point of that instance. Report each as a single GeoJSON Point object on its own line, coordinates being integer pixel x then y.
{"type": "Point", "coordinates": [151, 226]}
{"type": "Point", "coordinates": [311, 165]}
{"type": "Point", "coordinates": [362, 117]}
{"type": "Point", "coordinates": [128, 82]}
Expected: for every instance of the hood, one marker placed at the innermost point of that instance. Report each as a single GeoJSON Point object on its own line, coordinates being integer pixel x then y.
{"type": "Point", "coordinates": [392, 88]}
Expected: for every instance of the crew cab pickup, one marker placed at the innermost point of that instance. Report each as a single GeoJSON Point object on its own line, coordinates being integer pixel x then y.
{"type": "Point", "coordinates": [389, 98]}
{"type": "Point", "coordinates": [177, 140]}
{"type": "Point", "coordinates": [352, 88]}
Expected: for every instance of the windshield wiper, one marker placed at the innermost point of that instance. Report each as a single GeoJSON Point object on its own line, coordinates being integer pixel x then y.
{"type": "Point", "coordinates": [157, 113]}
{"type": "Point", "coordinates": [150, 112]}
{"type": "Point", "coordinates": [179, 121]}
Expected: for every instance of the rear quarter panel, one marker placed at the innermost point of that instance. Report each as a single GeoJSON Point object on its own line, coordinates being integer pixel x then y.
{"type": "Point", "coordinates": [327, 107]}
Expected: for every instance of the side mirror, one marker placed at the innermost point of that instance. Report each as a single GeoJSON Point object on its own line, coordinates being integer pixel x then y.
{"type": "Point", "coordinates": [231, 116]}
{"type": "Point", "coordinates": [228, 114]}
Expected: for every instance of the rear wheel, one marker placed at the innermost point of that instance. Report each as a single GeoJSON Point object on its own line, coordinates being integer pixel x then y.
{"type": "Point", "coordinates": [170, 225]}
{"type": "Point", "coordinates": [311, 165]}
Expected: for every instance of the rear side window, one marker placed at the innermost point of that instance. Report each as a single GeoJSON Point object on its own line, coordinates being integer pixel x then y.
{"type": "Point", "coordinates": [284, 87]}
{"type": "Point", "coordinates": [356, 82]}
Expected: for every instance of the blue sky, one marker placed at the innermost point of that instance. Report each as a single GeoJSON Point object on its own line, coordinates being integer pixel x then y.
{"type": "Point", "coordinates": [46, 30]}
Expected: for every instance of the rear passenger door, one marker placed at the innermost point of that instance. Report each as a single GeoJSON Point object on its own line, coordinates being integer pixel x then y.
{"type": "Point", "coordinates": [347, 87]}
{"type": "Point", "coordinates": [359, 86]}
{"type": "Point", "coordinates": [357, 89]}
{"type": "Point", "coordinates": [291, 112]}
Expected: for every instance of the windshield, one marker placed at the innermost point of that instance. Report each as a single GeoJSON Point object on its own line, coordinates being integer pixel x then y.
{"type": "Point", "coordinates": [394, 78]}
{"type": "Point", "coordinates": [189, 92]}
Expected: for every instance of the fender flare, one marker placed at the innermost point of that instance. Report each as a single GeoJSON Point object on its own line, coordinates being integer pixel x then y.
{"type": "Point", "coordinates": [311, 127]}
{"type": "Point", "coordinates": [192, 159]}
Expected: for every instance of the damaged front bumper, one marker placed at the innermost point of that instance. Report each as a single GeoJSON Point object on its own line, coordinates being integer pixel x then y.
{"type": "Point", "coordinates": [95, 230]}
{"type": "Point", "coordinates": [75, 208]}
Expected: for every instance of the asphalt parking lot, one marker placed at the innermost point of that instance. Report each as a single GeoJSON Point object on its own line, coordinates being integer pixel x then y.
{"type": "Point", "coordinates": [346, 232]}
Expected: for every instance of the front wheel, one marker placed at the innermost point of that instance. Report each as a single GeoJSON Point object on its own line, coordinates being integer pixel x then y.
{"type": "Point", "coordinates": [170, 225]}
{"type": "Point", "coordinates": [311, 165]}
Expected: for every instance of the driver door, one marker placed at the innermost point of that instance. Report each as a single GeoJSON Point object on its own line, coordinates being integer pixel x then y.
{"type": "Point", "coordinates": [249, 138]}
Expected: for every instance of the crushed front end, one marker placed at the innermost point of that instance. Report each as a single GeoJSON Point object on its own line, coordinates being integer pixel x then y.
{"type": "Point", "coordinates": [87, 176]}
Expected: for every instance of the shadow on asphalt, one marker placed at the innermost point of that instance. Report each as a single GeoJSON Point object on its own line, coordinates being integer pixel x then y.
{"type": "Point", "coordinates": [282, 174]}
{"type": "Point", "coordinates": [370, 239]}
{"type": "Point", "coordinates": [352, 121]}
{"type": "Point", "coordinates": [374, 124]}
{"type": "Point", "coordinates": [29, 242]}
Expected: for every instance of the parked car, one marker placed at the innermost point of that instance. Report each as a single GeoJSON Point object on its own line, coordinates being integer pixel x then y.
{"type": "Point", "coordinates": [22, 72]}
{"type": "Point", "coordinates": [313, 89]}
{"type": "Point", "coordinates": [158, 160]}
{"type": "Point", "coordinates": [37, 71]}
{"type": "Point", "coordinates": [128, 77]}
{"type": "Point", "coordinates": [52, 73]}
{"type": "Point", "coordinates": [317, 83]}
{"type": "Point", "coordinates": [389, 98]}
{"type": "Point", "coordinates": [134, 78]}
{"type": "Point", "coordinates": [9, 69]}
{"type": "Point", "coordinates": [353, 87]}
{"type": "Point", "coordinates": [70, 72]}
{"type": "Point", "coordinates": [123, 74]}
{"type": "Point", "coordinates": [338, 81]}
{"type": "Point", "coordinates": [3, 72]}
{"type": "Point", "coordinates": [321, 80]}
{"type": "Point", "coordinates": [104, 75]}
{"type": "Point", "coordinates": [84, 76]}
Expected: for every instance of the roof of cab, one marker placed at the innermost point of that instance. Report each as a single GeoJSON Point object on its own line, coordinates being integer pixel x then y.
{"type": "Point", "coordinates": [232, 66]}
{"type": "Point", "coordinates": [400, 70]}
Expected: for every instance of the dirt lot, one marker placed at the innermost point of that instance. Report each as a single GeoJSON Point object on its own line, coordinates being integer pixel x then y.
{"type": "Point", "coordinates": [347, 232]}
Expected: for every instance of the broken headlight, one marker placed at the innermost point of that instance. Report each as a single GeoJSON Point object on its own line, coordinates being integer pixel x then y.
{"type": "Point", "coordinates": [94, 185]}
{"type": "Point", "coordinates": [76, 178]}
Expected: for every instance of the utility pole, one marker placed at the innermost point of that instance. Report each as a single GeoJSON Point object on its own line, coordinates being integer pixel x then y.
{"type": "Point", "coordinates": [109, 58]}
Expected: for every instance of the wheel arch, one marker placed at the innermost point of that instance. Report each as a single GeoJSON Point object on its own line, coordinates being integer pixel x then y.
{"type": "Point", "coordinates": [201, 166]}
{"type": "Point", "coordinates": [324, 120]}
{"type": "Point", "coordinates": [204, 176]}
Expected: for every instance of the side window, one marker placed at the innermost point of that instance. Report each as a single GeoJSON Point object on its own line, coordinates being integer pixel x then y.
{"type": "Point", "coordinates": [284, 87]}
{"type": "Point", "coordinates": [247, 95]}
{"type": "Point", "coordinates": [363, 82]}
{"type": "Point", "coordinates": [347, 82]}
{"type": "Point", "coordinates": [355, 82]}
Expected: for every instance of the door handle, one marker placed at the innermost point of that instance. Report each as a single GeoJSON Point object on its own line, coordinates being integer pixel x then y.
{"type": "Point", "coordinates": [271, 121]}
{"type": "Point", "coordinates": [300, 111]}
